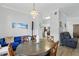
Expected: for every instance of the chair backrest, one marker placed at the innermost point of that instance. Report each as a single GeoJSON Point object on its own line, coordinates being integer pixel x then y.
{"type": "Point", "coordinates": [53, 50]}
{"type": "Point", "coordinates": [65, 35]}
{"type": "Point", "coordinates": [10, 50]}
{"type": "Point", "coordinates": [17, 39]}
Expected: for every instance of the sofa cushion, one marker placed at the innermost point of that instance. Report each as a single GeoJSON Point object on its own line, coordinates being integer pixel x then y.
{"type": "Point", "coordinates": [14, 45]}
{"type": "Point", "coordinates": [67, 35]}
{"type": "Point", "coordinates": [17, 39]}
{"type": "Point", "coordinates": [2, 42]}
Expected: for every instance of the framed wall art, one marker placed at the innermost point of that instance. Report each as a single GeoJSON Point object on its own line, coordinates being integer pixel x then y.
{"type": "Point", "coordinates": [20, 25]}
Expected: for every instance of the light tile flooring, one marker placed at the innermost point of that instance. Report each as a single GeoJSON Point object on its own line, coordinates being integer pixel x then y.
{"type": "Point", "coordinates": [66, 51]}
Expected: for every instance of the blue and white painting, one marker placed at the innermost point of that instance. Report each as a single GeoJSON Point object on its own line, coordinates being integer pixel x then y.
{"type": "Point", "coordinates": [20, 25]}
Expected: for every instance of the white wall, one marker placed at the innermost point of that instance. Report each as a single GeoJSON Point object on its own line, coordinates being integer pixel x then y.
{"type": "Point", "coordinates": [63, 18]}
{"type": "Point", "coordinates": [70, 22]}
{"type": "Point", "coordinates": [7, 17]}
{"type": "Point", "coordinates": [2, 22]}
{"type": "Point", "coordinates": [55, 25]}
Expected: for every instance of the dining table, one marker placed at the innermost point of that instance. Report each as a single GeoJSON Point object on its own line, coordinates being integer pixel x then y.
{"type": "Point", "coordinates": [31, 48]}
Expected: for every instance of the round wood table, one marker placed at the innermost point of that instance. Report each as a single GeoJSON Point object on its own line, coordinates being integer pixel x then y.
{"type": "Point", "coordinates": [33, 48]}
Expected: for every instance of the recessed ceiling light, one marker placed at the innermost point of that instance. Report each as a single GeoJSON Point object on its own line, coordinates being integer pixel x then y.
{"type": "Point", "coordinates": [48, 17]}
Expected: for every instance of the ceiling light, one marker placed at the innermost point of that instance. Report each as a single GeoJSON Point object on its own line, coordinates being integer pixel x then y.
{"type": "Point", "coordinates": [34, 12]}
{"type": "Point", "coordinates": [48, 17]}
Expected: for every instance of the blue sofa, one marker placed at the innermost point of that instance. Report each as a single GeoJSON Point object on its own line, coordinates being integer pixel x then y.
{"type": "Point", "coordinates": [17, 41]}
{"type": "Point", "coordinates": [66, 40]}
{"type": "Point", "coordinates": [2, 42]}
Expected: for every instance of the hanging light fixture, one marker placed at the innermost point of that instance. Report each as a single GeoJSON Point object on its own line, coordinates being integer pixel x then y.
{"type": "Point", "coordinates": [34, 12]}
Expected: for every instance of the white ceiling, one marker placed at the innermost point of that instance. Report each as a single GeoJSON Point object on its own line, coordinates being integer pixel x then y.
{"type": "Point", "coordinates": [70, 9]}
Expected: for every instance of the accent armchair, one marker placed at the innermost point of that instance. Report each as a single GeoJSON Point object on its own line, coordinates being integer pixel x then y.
{"type": "Point", "coordinates": [66, 40]}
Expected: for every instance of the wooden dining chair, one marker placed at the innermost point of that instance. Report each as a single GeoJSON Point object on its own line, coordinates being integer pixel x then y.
{"type": "Point", "coordinates": [53, 50]}
{"type": "Point", "coordinates": [10, 50]}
